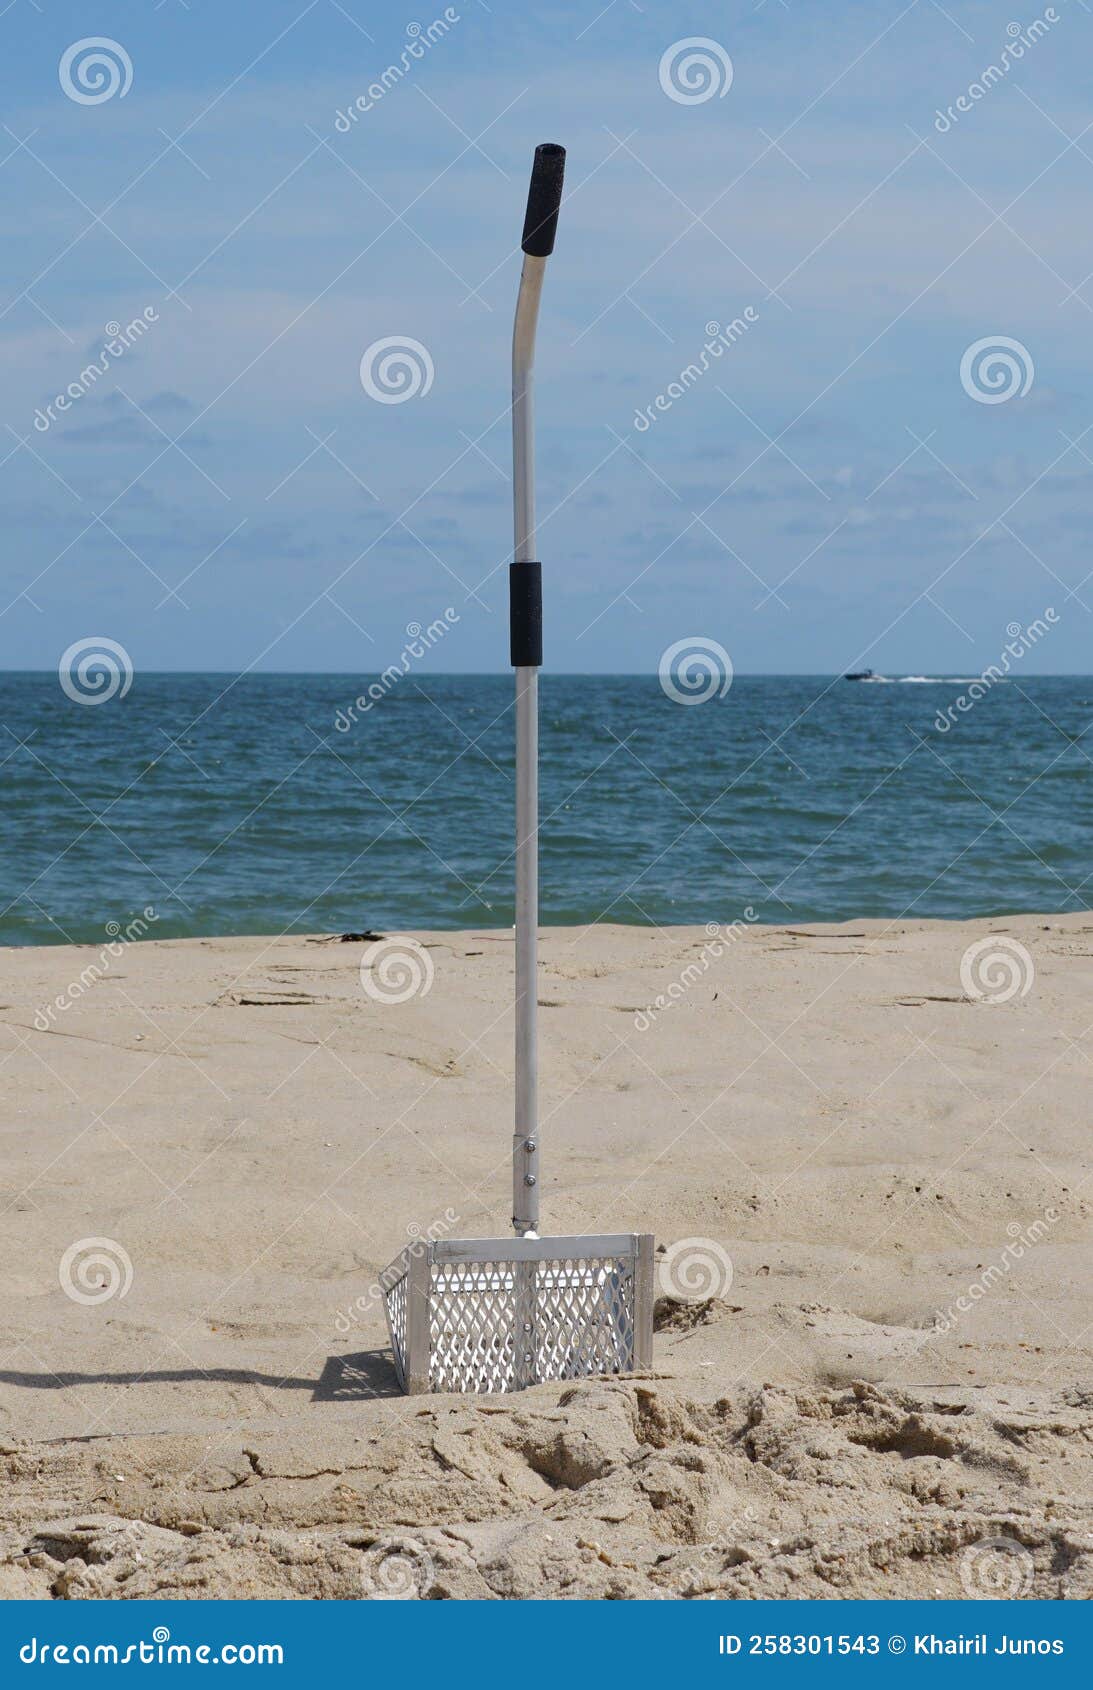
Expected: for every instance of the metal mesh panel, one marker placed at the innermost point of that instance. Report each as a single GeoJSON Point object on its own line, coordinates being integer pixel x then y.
{"type": "Point", "coordinates": [472, 1310]}
{"type": "Point", "coordinates": [502, 1324]}
{"type": "Point", "coordinates": [395, 1301]}
{"type": "Point", "coordinates": [585, 1317]}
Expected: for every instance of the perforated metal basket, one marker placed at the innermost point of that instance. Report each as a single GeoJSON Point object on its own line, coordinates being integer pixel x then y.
{"type": "Point", "coordinates": [498, 1314]}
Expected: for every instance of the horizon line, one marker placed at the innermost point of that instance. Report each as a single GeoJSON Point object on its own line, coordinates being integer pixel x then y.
{"type": "Point", "coordinates": [575, 674]}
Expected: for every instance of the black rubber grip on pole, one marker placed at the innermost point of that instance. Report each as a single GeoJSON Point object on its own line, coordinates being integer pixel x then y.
{"type": "Point", "coordinates": [526, 615]}
{"type": "Point", "coordinates": [544, 199]}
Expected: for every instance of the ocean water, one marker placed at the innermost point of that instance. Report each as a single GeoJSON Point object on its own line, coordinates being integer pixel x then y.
{"type": "Point", "coordinates": [240, 806]}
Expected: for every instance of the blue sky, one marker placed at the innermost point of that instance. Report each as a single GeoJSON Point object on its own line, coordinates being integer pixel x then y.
{"type": "Point", "coordinates": [827, 495]}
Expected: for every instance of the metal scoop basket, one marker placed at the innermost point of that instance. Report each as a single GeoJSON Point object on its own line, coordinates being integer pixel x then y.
{"type": "Point", "coordinates": [499, 1314]}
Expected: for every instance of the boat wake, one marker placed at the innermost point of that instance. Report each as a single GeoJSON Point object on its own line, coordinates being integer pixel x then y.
{"type": "Point", "coordinates": [917, 680]}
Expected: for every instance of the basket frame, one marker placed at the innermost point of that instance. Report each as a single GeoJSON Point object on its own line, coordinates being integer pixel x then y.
{"type": "Point", "coordinates": [414, 1298]}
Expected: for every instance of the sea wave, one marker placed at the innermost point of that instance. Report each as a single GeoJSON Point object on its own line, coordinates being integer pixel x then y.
{"type": "Point", "coordinates": [193, 756]}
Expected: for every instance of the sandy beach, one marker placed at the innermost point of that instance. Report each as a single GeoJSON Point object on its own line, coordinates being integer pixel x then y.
{"type": "Point", "coordinates": [895, 1159]}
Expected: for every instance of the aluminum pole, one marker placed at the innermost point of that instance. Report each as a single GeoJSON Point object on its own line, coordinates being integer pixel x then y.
{"type": "Point", "coordinates": [526, 649]}
{"type": "Point", "coordinates": [525, 1142]}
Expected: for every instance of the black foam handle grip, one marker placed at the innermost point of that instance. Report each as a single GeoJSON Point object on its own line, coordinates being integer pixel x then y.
{"type": "Point", "coordinates": [544, 199]}
{"type": "Point", "coordinates": [526, 615]}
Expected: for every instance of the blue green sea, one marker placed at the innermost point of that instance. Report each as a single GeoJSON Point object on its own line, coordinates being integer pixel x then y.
{"type": "Point", "coordinates": [256, 805]}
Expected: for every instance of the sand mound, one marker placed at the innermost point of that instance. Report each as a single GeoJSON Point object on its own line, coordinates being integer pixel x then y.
{"type": "Point", "coordinates": [602, 1489]}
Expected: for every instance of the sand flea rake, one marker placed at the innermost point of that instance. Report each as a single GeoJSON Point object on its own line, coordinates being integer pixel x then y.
{"type": "Point", "coordinates": [498, 1314]}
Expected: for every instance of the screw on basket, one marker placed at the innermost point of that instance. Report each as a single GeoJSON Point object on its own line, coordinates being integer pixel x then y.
{"type": "Point", "coordinates": [498, 1314]}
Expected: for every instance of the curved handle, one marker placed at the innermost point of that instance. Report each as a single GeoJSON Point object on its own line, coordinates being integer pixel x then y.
{"type": "Point", "coordinates": [544, 199]}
